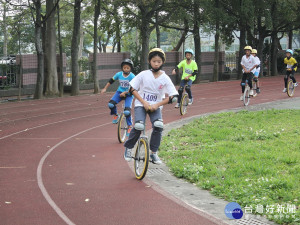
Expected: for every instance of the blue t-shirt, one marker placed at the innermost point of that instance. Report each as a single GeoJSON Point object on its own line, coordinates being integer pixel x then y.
{"type": "Point", "coordinates": [124, 81]}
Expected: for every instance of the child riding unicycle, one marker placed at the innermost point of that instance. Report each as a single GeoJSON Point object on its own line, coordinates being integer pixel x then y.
{"type": "Point", "coordinates": [124, 77]}
{"type": "Point", "coordinates": [189, 73]}
{"type": "Point", "coordinates": [291, 68]}
{"type": "Point", "coordinates": [152, 89]}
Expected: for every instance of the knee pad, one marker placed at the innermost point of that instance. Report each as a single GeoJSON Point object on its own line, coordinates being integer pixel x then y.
{"type": "Point", "coordinates": [188, 88]}
{"type": "Point", "coordinates": [158, 125]}
{"type": "Point", "coordinates": [111, 104]}
{"type": "Point", "coordinates": [139, 125]}
{"type": "Point", "coordinates": [127, 111]}
{"type": "Point", "coordinates": [180, 90]}
{"type": "Point", "coordinates": [255, 79]}
{"type": "Point", "coordinates": [243, 84]}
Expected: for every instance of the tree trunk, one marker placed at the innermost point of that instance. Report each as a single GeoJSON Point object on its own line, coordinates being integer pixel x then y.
{"type": "Point", "coordinates": [274, 52]}
{"type": "Point", "coordinates": [52, 79]}
{"type": "Point", "coordinates": [118, 34]}
{"type": "Point", "coordinates": [183, 36]}
{"type": "Point", "coordinates": [216, 55]}
{"type": "Point", "coordinates": [291, 39]}
{"type": "Point", "coordinates": [4, 30]}
{"type": "Point", "coordinates": [94, 65]}
{"type": "Point", "coordinates": [75, 48]}
{"type": "Point", "coordinates": [157, 31]}
{"type": "Point", "coordinates": [38, 94]}
{"type": "Point", "coordinates": [260, 47]}
{"type": "Point", "coordinates": [197, 40]}
{"type": "Point", "coordinates": [61, 73]}
{"type": "Point", "coordinates": [145, 33]}
{"type": "Point", "coordinates": [241, 51]}
{"type": "Point", "coordinates": [81, 40]}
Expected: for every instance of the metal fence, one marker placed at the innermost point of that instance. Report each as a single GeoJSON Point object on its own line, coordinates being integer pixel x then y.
{"type": "Point", "coordinates": [8, 72]}
{"type": "Point", "coordinates": [231, 66]}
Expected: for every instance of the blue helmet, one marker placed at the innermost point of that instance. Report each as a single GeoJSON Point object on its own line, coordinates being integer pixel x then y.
{"type": "Point", "coordinates": [289, 51]}
{"type": "Point", "coordinates": [188, 50]}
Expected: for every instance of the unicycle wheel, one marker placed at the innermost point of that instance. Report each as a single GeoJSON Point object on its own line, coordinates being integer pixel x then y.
{"type": "Point", "coordinates": [290, 88]}
{"type": "Point", "coordinates": [122, 128]}
{"type": "Point", "coordinates": [246, 96]}
{"type": "Point", "coordinates": [141, 159]}
{"type": "Point", "coordinates": [184, 104]}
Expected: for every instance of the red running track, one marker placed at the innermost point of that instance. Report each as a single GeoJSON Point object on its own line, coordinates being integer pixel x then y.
{"type": "Point", "coordinates": [61, 163]}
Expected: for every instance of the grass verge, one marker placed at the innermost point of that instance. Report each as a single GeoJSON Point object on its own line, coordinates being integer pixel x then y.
{"type": "Point", "coordinates": [252, 158]}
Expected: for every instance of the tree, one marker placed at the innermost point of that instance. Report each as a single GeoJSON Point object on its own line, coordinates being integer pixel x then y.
{"type": "Point", "coordinates": [4, 28]}
{"type": "Point", "coordinates": [197, 40]}
{"type": "Point", "coordinates": [37, 18]}
{"type": "Point", "coordinates": [50, 49]}
{"type": "Point", "coordinates": [217, 38]}
{"type": "Point", "coordinates": [144, 19]}
{"type": "Point", "coordinates": [96, 17]}
{"type": "Point", "coordinates": [75, 48]}
{"type": "Point", "coordinates": [61, 74]}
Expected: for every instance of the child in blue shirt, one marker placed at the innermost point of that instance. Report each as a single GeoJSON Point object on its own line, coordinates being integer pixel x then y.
{"type": "Point", "coordinates": [124, 77]}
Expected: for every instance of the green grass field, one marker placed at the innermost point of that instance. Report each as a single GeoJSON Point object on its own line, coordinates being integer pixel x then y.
{"type": "Point", "coordinates": [252, 158]}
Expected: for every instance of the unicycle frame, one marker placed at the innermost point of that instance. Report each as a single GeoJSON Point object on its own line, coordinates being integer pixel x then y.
{"type": "Point", "coordinates": [143, 140]}
{"type": "Point", "coordinates": [122, 136]}
{"type": "Point", "coordinates": [290, 89]}
{"type": "Point", "coordinates": [246, 95]}
{"type": "Point", "coordinates": [184, 100]}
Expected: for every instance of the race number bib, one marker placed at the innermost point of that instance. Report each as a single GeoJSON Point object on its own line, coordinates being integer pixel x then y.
{"type": "Point", "coordinates": [124, 83]}
{"type": "Point", "coordinates": [289, 66]}
{"type": "Point", "coordinates": [188, 71]}
{"type": "Point", "coordinates": [149, 97]}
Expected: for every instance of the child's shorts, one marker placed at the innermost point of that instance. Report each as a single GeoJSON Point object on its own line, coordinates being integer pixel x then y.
{"type": "Point", "coordinates": [256, 74]}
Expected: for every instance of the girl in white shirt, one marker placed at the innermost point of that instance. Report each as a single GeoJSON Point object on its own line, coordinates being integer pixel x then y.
{"type": "Point", "coordinates": [248, 64]}
{"type": "Point", "coordinates": [149, 88]}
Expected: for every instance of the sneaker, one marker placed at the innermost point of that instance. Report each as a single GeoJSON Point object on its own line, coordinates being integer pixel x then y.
{"type": "Point", "coordinates": [190, 101]}
{"type": "Point", "coordinates": [128, 131]}
{"type": "Point", "coordinates": [177, 105]}
{"type": "Point", "coordinates": [295, 84]}
{"type": "Point", "coordinates": [155, 158]}
{"type": "Point", "coordinates": [115, 119]}
{"type": "Point", "coordinates": [284, 90]}
{"type": "Point", "coordinates": [127, 155]}
{"type": "Point", "coordinates": [257, 90]}
{"type": "Point", "coordinates": [251, 92]}
{"type": "Point", "coordinates": [242, 96]}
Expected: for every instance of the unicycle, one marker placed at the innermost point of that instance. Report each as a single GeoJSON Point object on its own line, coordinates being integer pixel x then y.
{"type": "Point", "coordinates": [246, 96]}
{"type": "Point", "coordinates": [290, 88]}
{"type": "Point", "coordinates": [141, 157]}
{"type": "Point", "coordinates": [122, 128]}
{"type": "Point", "coordinates": [184, 104]}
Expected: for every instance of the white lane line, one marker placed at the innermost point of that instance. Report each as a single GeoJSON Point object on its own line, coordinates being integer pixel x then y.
{"type": "Point", "coordinates": [41, 138]}
{"type": "Point", "coordinates": [47, 124]}
{"type": "Point", "coordinates": [13, 167]}
{"type": "Point", "coordinates": [40, 179]}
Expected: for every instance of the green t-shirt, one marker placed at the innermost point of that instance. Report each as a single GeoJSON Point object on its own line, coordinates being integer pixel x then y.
{"type": "Point", "coordinates": [188, 69]}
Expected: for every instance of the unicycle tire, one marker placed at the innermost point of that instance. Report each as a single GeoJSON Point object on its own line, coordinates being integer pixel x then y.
{"type": "Point", "coordinates": [141, 159]}
{"type": "Point", "coordinates": [122, 128]}
{"type": "Point", "coordinates": [184, 104]}
{"type": "Point", "coordinates": [290, 88]}
{"type": "Point", "coordinates": [246, 96]}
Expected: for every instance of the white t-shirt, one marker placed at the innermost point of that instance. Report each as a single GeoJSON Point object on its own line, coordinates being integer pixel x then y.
{"type": "Point", "coordinates": [257, 62]}
{"type": "Point", "coordinates": [152, 89]}
{"type": "Point", "coordinates": [248, 62]}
